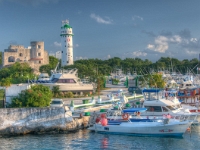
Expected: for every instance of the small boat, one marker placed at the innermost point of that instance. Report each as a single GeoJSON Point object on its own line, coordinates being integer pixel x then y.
{"type": "Point", "coordinates": [159, 127]}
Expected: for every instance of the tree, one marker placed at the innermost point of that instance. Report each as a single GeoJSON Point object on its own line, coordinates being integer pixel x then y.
{"type": "Point", "coordinates": [53, 61]}
{"type": "Point", "coordinates": [37, 96]}
{"type": "Point", "coordinates": [55, 90]}
{"type": "Point", "coordinates": [155, 80]}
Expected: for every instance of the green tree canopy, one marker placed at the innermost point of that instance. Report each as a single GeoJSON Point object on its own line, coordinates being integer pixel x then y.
{"type": "Point", "coordinates": [37, 96]}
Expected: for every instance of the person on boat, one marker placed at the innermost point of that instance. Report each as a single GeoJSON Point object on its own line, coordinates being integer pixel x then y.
{"type": "Point", "coordinates": [138, 114]}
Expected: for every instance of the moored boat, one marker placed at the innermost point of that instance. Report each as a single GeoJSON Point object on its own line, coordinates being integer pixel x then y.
{"type": "Point", "coordinates": [159, 127]}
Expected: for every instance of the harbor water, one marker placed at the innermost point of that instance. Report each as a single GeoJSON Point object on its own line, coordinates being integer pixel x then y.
{"type": "Point", "coordinates": [87, 140]}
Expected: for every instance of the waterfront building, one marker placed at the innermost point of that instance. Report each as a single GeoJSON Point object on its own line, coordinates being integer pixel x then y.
{"type": "Point", "coordinates": [66, 44]}
{"type": "Point", "coordinates": [34, 55]}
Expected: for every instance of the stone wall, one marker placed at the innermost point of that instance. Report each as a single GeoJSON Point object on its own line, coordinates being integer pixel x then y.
{"type": "Point", "coordinates": [36, 120]}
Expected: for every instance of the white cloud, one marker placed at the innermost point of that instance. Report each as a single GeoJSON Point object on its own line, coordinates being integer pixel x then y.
{"type": "Point", "coordinates": [175, 39]}
{"type": "Point", "coordinates": [57, 44]}
{"type": "Point", "coordinates": [80, 58]}
{"type": "Point", "coordinates": [161, 43]}
{"type": "Point", "coordinates": [139, 53]}
{"type": "Point", "coordinates": [137, 17]}
{"type": "Point", "coordinates": [109, 56]}
{"type": "Point", "coordinates": [100, 19]}
{"type": "Point", "coordinates": [194, 40]}
{"type": "Point", "coordinates": [150, 46]}
{"type": "Point", "coordinates": [190, 52]}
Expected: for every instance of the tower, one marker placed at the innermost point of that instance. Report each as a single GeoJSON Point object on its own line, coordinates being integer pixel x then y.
{"type": "Point", "coordinates": [66, 44]}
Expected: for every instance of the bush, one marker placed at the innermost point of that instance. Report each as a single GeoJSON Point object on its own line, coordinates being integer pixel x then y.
{"type": "Point", "coordinates": [36, 96]}
{"type": "Point", "coordinates": [69, 95]}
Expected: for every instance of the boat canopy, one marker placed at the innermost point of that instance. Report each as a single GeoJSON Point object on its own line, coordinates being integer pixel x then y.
{"type": "Point", "coordinates": [152, 90]}
{"type": "Point", "coordinates": [132, 110]}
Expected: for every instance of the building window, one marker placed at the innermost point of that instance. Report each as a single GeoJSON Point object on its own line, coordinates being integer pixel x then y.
{"type": "Point", "coordinates": [39, 62]}
{"type": "Point", "coordinates": [39, 54]}
{"type": "Point", "coordinates": [62, 51]}
{"type": "Point", "coordinates": [39, 46]}
{"type": "Point", "coordinates": [11, 59]}
{"type": "Point", "coordinates": [20, 54]}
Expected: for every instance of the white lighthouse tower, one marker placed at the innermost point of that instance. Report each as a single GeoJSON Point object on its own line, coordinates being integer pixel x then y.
{"type": "Point", "coordinates": [66, 44]}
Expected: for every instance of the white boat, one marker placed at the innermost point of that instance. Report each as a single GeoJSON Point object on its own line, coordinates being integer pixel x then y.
{"type": "Point", "coordinates": [157, 104]}
{"type": "Point", "coordinates": [160, 127]}
{"type": "Point", "coordinates": [67, 80]}
{"type": "Point", "coordinates": [43, 77]}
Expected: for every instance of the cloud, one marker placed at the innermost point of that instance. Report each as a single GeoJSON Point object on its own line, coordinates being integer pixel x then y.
{"type": "Point", "coordinates": [109, 56]}
{"type": "Point", "coordinates": [57, 44]}
{"type": "Point", "coordinates": [190, 52]}
{"type": "Point", "coordinates": [99, 19]}
{"type": "Point", "coordinates": [137, 17]}
{"type": "Point", "coordinates": [150, 46]}
{"type": "Point", "coordinates": [167, 40]}
{"type": "Point", "coordinates": [139, 53]}
{"type": "Point", "coordinates": [161, 44]}
{"type": "Point", "coordinates": [194, 40]}
{"type": "Point", "coordinates": [81, 58]}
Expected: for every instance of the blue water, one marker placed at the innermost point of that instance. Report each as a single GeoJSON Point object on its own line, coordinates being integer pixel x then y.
{"type": "Point", "coordinates": [86, 140]}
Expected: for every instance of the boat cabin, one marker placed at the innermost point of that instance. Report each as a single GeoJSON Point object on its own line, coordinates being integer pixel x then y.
{"type": "Point", "coordinates": [152, 94]}
{"type": "Point", "coordinates": [156, 103]}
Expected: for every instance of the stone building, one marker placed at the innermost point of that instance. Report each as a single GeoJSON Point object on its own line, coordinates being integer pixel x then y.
{"type": "Point", "coordinates": [34, 55]}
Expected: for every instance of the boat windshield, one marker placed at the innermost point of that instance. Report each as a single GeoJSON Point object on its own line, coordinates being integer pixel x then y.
{"type": "Point", "coordinates": [152, 95]}
{"type": "Point", "coordinates": [56, 102]}
{"type": "Point", "coordinates": [171, 107]}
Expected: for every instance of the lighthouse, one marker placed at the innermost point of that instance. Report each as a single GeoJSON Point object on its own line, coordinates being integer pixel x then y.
{"type": "Point", "coordinates": [66, 44]}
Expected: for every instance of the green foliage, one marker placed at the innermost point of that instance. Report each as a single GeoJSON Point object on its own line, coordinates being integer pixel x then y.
{"type": "Point", "coordinates": [115, 81]}
{"type": "Point", "coordinates": [69, 95]}
{"type": "Point", "coordinates": [36, 96]}
{"type": "Point", "coordinates": [55, 91]}
{"type": "Point", "coordinates": [53, 61]}
{"type": "Point", "coordinates": [18, 73]}
{"type": "Point", "coordinates": [155, 80]}
{"type": "Point", "coordinates": [5, 82]}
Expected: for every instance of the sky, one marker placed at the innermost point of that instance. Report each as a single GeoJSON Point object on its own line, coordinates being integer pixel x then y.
{"type": "Point", "coordinates": [103, 29]}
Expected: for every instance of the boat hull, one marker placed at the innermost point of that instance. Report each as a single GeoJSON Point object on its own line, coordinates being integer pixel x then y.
{"type": "Point", "coordinates": [144, 128]}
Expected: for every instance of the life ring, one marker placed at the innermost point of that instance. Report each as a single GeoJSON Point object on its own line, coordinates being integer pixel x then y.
{"type": "Point", "coordinates": [125, 116]}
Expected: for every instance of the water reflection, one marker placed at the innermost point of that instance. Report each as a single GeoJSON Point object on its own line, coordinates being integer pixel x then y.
{"type": "Point", "coordinates": [104, 143]}
{"type": "Point", "coordinates": [84, 139]}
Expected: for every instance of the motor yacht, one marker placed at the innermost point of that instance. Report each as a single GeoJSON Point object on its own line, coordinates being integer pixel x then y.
{"type": "Point", "coordinates": [68, 80]}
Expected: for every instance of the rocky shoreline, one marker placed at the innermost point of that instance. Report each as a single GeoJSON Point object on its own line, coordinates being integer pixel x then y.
{"type": "Point", "coordinates": [20, 121]}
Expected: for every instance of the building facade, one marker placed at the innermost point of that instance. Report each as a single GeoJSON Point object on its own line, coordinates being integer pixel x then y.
{"type": "Point", "coordinates": [34, 55]}
{"type": "Point", "coordinates": [66, 44]}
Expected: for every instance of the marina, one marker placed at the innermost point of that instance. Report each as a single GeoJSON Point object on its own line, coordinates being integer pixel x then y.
{"type": "Point", "coordinates": [99, 75]}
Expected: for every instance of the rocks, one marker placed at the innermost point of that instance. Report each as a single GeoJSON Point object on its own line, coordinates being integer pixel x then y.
{"type": "Point", "coordinates": [19, 121]}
